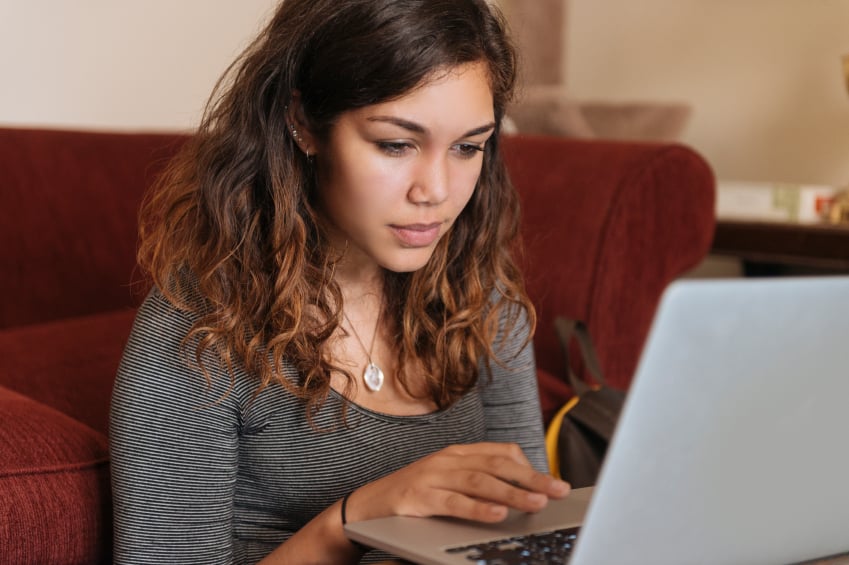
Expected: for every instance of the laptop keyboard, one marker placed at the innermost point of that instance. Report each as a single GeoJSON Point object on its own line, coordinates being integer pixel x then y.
{"type": "Point", "coordinates": [533, 549]}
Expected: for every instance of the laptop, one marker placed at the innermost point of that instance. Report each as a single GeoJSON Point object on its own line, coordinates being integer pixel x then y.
{"type": "Point", "coordinates": [732, 447]}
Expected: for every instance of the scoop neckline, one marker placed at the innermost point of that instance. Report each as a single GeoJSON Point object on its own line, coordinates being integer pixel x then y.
{"type": "Point", "coordinates": [396, 418]}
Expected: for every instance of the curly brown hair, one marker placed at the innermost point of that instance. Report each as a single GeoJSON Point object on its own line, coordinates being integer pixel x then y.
{"type": "Point", "coordinates": [234, 219]}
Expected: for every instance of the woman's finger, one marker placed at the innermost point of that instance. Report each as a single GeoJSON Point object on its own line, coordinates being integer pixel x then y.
{"type": "Point", "coordinates": [510, 450]}
{"type": "Point", "coordinates": [489, 488]}
{"type": "Point", "coordinates": [459, 505]}
{"type": "Point", "coordinates": [505, 467]}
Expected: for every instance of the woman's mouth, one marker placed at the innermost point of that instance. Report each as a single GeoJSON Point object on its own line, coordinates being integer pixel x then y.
{"type": "Point", "coordinates": [416, 235]}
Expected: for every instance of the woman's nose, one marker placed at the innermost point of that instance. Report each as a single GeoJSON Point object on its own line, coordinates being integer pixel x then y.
{"type": "Point", "coordinates": [430, 182]}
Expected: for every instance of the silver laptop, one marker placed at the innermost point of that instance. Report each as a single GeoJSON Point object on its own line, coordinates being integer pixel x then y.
{"type": "Point", "coordinates": [732, 448]}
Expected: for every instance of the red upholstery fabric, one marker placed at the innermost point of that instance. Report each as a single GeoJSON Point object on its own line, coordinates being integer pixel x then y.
{"type": "Point", "coordinates": [68, 365]}
{"type": "Point", "coordinates": [606, 227]}
{"type": "Point", "coordinates": [70, 202]}
{"type": "Point", "coordinates": [54, 487]}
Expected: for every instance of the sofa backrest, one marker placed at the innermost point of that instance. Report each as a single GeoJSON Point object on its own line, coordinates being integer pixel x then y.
{"type": "Point", "coordinates": [69, 202]}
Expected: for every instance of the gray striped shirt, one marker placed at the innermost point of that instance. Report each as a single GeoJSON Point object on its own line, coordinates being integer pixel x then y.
{"type": "Point", "coordinates": [200, 475]}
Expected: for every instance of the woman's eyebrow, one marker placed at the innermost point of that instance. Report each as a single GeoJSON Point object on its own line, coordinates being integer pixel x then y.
{"type": "Point", "coordinates": [401, 123]}
{"type": "Point", "coordinates": [420, 129]}
{"type": "Point", "coordinates": [479, 130]}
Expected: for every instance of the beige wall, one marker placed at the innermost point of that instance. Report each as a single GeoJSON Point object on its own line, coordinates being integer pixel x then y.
{"type": "Point", "coordinates": [123, 64]}
{"type": "Point", "coordinates": [763, 77]}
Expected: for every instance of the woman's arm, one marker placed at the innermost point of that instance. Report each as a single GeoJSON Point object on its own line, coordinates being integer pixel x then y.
{"type": "Point", "coordinates": [174, 446]}
{"type": "Point", "coordinates": [174, 443]}
{"type": "Point", "coordinates": [511, 399]}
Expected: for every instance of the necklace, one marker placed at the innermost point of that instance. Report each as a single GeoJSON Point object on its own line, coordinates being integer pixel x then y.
{"type": "Point", "coordinates": [372, 375]}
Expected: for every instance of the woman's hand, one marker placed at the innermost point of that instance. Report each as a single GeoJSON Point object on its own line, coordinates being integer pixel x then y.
{"type": "Point", "coordinates": [475, 481]}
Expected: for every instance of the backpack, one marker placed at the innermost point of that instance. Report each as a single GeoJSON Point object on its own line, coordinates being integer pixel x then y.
{"type": "Point", "coordinates": [578, 435]}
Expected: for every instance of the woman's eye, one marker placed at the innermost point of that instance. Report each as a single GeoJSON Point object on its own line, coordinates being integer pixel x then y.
{"type": "Point", "coordinates": [468, 150]}
{"type": "Point", "coordinates": [393, 148]}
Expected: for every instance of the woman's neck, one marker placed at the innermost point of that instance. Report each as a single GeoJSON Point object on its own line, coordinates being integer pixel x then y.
{"type": "Point", "coordinates": [359, 281]}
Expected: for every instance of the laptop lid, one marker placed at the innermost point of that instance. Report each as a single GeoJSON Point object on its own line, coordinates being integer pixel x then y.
{"type": "Point", "coordinates": [732, 447]}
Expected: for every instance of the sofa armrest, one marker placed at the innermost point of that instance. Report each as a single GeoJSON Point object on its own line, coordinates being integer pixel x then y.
{"type": "Point", "coordinates": [55, 384]}
{"type": "Point", "coordinates": [606, 227]}
{"type": "Point", "coordinates": [55, 504]}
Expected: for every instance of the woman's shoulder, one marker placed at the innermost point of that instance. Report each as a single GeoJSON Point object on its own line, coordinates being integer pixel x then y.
{"type": "Point", "coordinates": [159, 319]}
{"type": "Point", "coordinates": [160, 359]}
{"type": "Point", "coordinates": [513, 318]}
{"type": "Point", "coordinates": [160, 329]}
{"type": "Point", "coordinates": [180, 302]}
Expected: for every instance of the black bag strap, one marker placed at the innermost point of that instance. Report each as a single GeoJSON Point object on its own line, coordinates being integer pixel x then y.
{"type": "Point", "coordinates": [568, 328]}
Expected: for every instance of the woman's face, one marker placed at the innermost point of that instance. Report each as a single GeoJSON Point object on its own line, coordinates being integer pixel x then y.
{"type": "Point", "coordinates": [393, 177]}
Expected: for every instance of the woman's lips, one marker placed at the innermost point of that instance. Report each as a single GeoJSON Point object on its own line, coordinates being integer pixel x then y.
{"type": "Point", "coordinates": [416, 235]}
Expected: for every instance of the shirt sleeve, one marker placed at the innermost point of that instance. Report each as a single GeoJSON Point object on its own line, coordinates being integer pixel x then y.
{"type": "Point", "coordinates": [511, 398]}
{"type": "Point", "coordinates": [173, 447]}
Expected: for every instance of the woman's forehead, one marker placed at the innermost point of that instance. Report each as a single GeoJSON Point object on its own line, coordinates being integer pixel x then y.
{"type": "Point", "coordinates": [460, 97]}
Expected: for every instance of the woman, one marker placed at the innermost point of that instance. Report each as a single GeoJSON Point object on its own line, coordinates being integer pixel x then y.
{"type": "Point", "coordinates": [337, 330]}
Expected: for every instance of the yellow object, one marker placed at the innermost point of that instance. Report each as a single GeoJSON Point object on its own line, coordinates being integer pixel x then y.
{"type": "Point", "coordinates": [838, 211]}
{"type": "Point", "coordinates": [553, 433]}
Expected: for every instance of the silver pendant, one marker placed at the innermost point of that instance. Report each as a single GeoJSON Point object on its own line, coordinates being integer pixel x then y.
{"type": "Point", "coordinates": [373, 377]}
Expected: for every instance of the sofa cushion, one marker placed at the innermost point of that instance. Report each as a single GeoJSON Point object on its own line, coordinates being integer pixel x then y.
{"type": "Point", "coordinates": [68, 365]}
{"type": "Point", "coordinates": [637, 121]}
{"type": "Point", "coordinates": [54, 486]}
{"type": "Point", "coordinates": [546, 110]}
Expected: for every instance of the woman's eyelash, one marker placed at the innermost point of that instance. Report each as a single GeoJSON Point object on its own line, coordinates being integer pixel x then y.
{"type": "Point", "coordinates": [469, 149]}
{"type": "Point", "coordinates": [398, 148]}
{"type": "Point", "coordinates": [393, 147]}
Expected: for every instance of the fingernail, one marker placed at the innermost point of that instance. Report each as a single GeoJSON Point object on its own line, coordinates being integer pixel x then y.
{"type": "Point", "coordinates": [561, 487]}
{"type": "Point", "coordinates": [497, 510]}
{"type": "Point", "coordinates": [537, 498]}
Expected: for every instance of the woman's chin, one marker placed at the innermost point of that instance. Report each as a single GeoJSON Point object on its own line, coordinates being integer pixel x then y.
{"type": "Point", "coordinates": [407, 260]}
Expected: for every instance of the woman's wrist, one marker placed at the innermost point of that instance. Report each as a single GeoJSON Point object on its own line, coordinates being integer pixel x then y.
{"type": "Point", "coordinates": [344, 516]}
{"type": "Point", "coordinates": [321, 540]}
{"type": "Point", "coordinates": [362, 504]}
{"type": "Point", "coordinates": [344, 511]}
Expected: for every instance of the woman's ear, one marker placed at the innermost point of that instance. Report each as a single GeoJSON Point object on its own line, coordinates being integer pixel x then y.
{"type": "Point", "coordinates": [298, 128]}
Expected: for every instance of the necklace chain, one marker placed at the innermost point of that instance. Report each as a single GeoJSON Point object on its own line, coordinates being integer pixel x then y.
{"type": "Point", "coordinates": [372, 375]}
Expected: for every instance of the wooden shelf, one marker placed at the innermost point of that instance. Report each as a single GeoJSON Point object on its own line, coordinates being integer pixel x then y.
{"type": "Point", "coordinates": [823, 246]}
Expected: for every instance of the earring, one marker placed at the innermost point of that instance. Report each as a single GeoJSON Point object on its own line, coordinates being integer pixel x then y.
{"type": "Point", "coordinates": [295, 134]}
{"type": "Point", "coordinates": [300, 141]}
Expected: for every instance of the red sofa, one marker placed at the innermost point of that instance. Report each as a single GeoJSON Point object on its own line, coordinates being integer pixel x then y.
{"type": "Point", "coordinates": [606, 227]}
